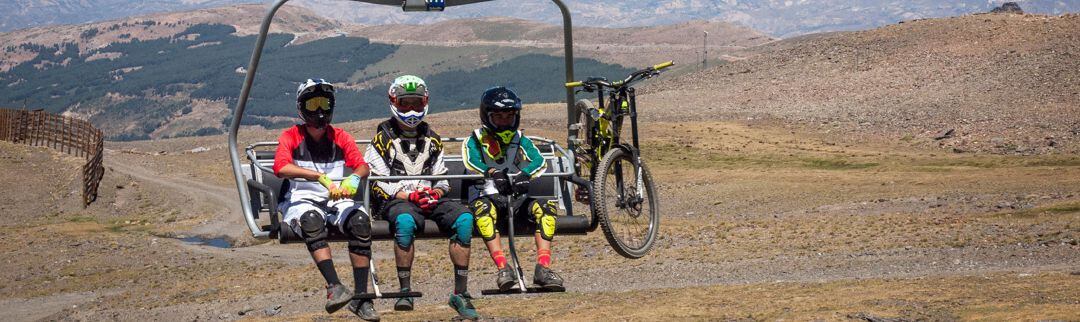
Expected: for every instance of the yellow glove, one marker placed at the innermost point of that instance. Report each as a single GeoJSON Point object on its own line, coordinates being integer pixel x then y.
{"type": "Point", "coordinates": [350, 185]}
{"type": "Point", "coordinates": [335, 192]}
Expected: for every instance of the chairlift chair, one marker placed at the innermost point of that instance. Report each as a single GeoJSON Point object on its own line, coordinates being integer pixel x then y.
{"type": "Point", "coordinates": [260, 189]}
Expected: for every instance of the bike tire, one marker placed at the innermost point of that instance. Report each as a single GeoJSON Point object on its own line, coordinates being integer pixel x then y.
{"type": "Point", "coordinates": [627, 242]}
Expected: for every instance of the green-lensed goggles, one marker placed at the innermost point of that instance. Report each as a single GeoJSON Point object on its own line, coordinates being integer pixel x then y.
{"type": "Point", "coordinates": [316, 103]}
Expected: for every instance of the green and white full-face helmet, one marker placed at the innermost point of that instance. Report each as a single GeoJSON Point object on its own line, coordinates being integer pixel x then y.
{"type": "Point", "coordinates": [409, 100]}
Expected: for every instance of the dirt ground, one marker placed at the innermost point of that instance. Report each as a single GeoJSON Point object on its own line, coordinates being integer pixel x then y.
{"type": "Point", "coordinates": [761, 221]}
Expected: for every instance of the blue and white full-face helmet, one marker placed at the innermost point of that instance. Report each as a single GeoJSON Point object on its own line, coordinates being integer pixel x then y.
{"type": "Point", "coordinates": [409, 100]}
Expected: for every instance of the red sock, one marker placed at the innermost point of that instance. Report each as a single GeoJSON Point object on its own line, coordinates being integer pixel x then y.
{"type": "Point", "coordinates": [543, 257]}
{"type": "Point", "coordinates": [500, 260]}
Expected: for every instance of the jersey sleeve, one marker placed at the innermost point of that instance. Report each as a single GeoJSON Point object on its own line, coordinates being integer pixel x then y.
{"type": "Point", "coordinates": [353, 158]}
{"type": "Point", "coordinates": [536, 165]}
{"type": "Point", "coordinates": [471, 155]}
{"type": "Point", "coordinates": [283, 156]}
{"type": "Point", "coordinates": [439, 167]}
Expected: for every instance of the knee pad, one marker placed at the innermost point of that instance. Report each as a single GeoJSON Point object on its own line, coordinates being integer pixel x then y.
{"type": "Point", "coordinates": [360, 248]}
{"type": "Point", "coordinates": [360, 228]}
{"type": "Point", "coordinates": [485, 218]}
{"type": "Point", "coordinates": [405, 230]}
{"type": "Point", "coordinates": [463, 229]}
{"type": "Point", "coordinates": [313, 229]}
{"type": "Point", "coordinates": [544, 212]}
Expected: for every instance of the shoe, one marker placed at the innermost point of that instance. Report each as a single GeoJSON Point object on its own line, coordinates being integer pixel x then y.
{"type": "Point", "coordinates": [506, 279]}
{"type": "Point", "coordinates": [365, 309]}
{"type": "Point", "coordinates": [462, 303]}
{"type": "Point", "coordinates": [337, 296]}
{"type": "Point", "coordinates": [548, 279]}
{"type": "Point", "coordinates": [404, 303]}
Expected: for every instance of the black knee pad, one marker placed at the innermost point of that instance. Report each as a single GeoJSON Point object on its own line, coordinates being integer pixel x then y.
{"type": "Point", "coordinates": [313, 229]}
{"type": "Point", "coordinates": [359, 227]}
{"type": "Point", "coordinates": [360, 248]}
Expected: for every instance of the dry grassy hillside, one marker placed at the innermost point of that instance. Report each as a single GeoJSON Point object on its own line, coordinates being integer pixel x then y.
{"type": "Point", "coordinates": [246, 19]}
{"type": "Point", "coordinates": [638, 46]}
{"type": "Point", "coordinates": [1004, 83]}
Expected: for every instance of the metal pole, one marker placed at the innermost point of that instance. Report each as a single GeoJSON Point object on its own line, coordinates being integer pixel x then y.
{"type": "Point", "coordinates": [705, 51]}
{"type": "Point", "coordinates": [568, 47]}
{"type": "Point", "coordinates": [238, 114]}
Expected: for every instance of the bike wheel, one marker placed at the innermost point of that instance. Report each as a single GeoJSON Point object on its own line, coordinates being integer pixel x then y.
{"type": "Point", "coordinates": [626, 203]}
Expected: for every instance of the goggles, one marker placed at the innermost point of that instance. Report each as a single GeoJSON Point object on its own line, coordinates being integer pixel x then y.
{"type": "Point", "coordinates": [410, 104]}
{"type": "Point", "coordinates": [316, 103]}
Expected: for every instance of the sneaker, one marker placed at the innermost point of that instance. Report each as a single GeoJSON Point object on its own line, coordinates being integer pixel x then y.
{"type": "Point", "coordinates": [506, 279]}
{"type": "Point", "coordinates": [365, 309]}
{"type": "Point", "coordinates": [548, 279]}
{"type": "Point", "coordinates": [337, 296]}
{"type": "Point", "coordinates": [462, 303]}
{"type": "Point", "coordinates": [404, 303]}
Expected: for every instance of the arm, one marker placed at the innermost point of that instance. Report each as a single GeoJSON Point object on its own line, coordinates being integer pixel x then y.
{"type": "Point", "coordinates": [471, 156]}
{"type": "Point", "coordinates": [536, 165]}
{"type": "Point", "coordinates": [379, 168]}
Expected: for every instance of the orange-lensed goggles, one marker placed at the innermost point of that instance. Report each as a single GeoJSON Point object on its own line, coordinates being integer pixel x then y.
{"type": "Point", "coordinates": [410, 103]}
{"type": "Point", "coordinates": [315, 103]}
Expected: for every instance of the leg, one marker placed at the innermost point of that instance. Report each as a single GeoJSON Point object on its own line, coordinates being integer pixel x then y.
{"type": "Point", "coordinates": [543, 215]}
{"type": "Point", "coordinates": [357, 225]}
{"type": "Point", "coordinates": [405, 220]}
{"type": "Point", "coordinates": [455, 219]}
{"type": "Point", "coordinates": [312, 225]}
{"type": "Point", "coordinates": [486, 212]}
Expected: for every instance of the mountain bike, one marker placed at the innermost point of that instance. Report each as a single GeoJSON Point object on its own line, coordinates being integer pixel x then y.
{"type": "Point", "coordinates": [623, 194]}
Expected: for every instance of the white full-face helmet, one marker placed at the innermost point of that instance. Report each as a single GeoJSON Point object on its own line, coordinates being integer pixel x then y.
{"type": "Point", "coordinates": [409, 100]}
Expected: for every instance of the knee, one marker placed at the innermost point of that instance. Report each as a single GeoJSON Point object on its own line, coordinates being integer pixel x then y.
{"type": "Point", "coordinates": [463, 229]}
{"type": "Point", "coordinates": [360, 248]}
{"type": "Point", "coordinates": [360, 229]}
{"type": "Point", "coordinates": [485, 216]}
{"type": "Point", "coordinates": [544, 212]}
{"type": "Point", "coordinates": [405, 230]}
{"type": "Point", "coordinates": [313, 229]}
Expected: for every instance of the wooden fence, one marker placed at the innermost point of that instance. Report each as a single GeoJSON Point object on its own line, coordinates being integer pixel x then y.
{"type": "Point", "coordinates": [65, 134]}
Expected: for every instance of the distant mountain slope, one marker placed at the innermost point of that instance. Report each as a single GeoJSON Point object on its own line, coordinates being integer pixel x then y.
{"type": "Point", "coordinates": [20, 14]}
{"type": "Point", "coordinates": [1004, 83]}
{"type": "Point", "coordinates": [778, 18]}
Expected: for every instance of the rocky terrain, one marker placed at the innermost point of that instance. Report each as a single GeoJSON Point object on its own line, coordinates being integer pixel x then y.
{"type": "Point", "coordinates": [994, 82]}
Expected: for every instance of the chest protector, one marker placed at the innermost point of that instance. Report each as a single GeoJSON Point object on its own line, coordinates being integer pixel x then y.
{"type": "Point", "coordinates": [420, 157]}
{"type": "Point", "coordinates": [497, 157]}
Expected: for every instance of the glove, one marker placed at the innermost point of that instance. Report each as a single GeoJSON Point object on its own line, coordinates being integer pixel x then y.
{"type": "Point", "coordinates": [521, 183]}
{"type": "Point", "coordinates": [424, 198]}
{"type": "Point", "coordinates": [501, 179]}
{"type": "Point", "coordinates": [432, 200]}
{"type": "Point", "coordinates": [335, 192]}
{"type": "Point", "coordinates": [350, 185]}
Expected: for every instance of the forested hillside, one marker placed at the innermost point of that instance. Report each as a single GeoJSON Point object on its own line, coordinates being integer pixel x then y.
{"type": "Point", "coordinates": [185, 84]}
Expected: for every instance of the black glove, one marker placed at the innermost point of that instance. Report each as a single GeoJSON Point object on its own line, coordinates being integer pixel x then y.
{"type": "Point", "coordinates": [501, 179]}
{"type": "Point", "coordinates": [521, 183]}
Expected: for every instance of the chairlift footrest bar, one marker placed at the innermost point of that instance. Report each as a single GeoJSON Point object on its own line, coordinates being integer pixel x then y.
{"type": "Point", "coordinates": [386, 295]}
{"type": "Point", "coordinates": [528, 290]}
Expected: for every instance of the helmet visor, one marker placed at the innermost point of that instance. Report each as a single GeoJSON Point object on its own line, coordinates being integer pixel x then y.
{"type": "Point", "coordinates": [410, 104]}
{"type": "Point", "coordinates": [503, 118]}
{"type": "Point", "coordinates": [316, 103]}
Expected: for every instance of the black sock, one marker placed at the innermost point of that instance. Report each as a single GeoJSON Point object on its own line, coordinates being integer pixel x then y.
{"type": "Point", "coordinates": [326, 267]}
{"type": "Point", "coordinates": [405, 277]}
{"type": "Point", "coordinates": [360, 279]}
{"type": "Point", "coordinates": [461, 279]}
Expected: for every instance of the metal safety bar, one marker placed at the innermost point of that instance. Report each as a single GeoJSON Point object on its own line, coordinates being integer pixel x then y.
{"type": "Point", "coordinates": [253, 65]}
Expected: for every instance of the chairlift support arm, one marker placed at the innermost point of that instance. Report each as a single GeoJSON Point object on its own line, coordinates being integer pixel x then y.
{"type": "Point", "coordinates": [253, 64]}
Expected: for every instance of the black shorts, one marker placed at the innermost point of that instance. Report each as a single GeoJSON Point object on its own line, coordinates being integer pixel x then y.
{"type": "Point", "coordinates": [444, 215]}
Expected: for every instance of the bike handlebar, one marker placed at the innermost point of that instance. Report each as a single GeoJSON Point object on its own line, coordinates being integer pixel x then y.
{"type": "Point", "coordinates": [647, 72]}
